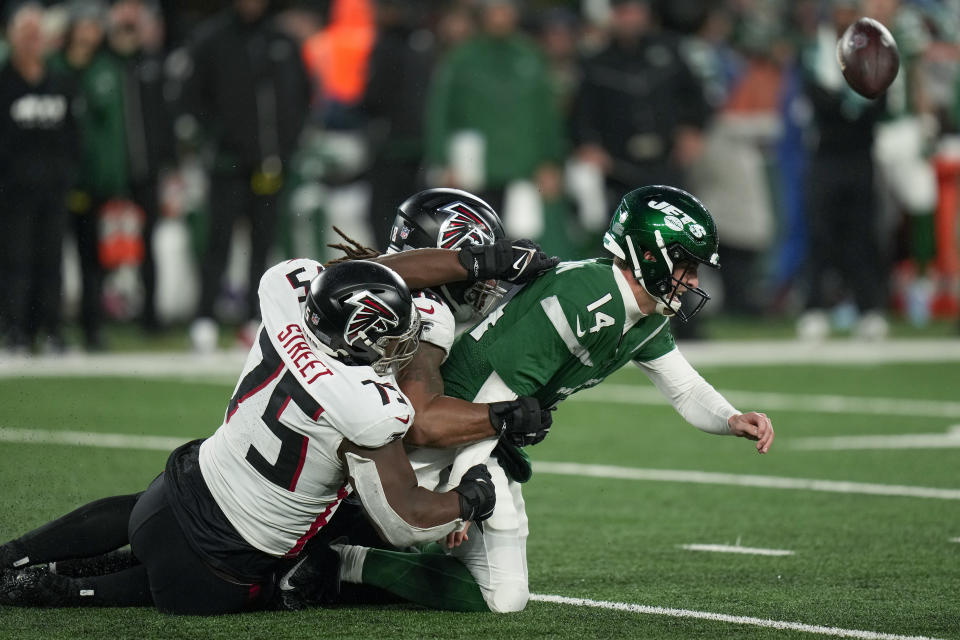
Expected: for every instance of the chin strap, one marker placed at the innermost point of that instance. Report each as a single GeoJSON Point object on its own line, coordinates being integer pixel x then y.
{"type": "Point", "coordinates": [663, 308]}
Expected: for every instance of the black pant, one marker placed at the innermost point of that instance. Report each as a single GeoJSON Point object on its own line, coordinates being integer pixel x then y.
{"type": "Point", "coordinates": [86, 231]}
{"type": "Point", "coordinates": [180, 582]}
{"type": "Point", "coordinates": [163, 571]}
{"type": "Point", "coordinates": [844, 231]}
{"type": "Point", "coordinates": [34, 223]}
{"type": "Point", "coordinates": [390, 184]}
{"type": "Point", "coordinates": [146, 196]}
{"type": "Point", "coordinates": [231, 198]}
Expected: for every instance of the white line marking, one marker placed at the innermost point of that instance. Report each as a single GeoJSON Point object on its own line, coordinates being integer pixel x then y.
{"type": "Point", "coordinates": [766, 482]}
{"type": "Point", "coordinates": [723, 617]}
{"type": "Point", "coordinates": [142, 365]}
{"type": "Point", "coordinates": [954, 539]}
{"type": "Point", "coordinates": [804, 403]}
{"type": "Point", "coordinates": [949, 440]}
{"type": "Point", "coordinates": [167, 443]}
{"type": "Point", "coordinates": [735, 353]}
{"type": "Point", "coordinates": [729, 548]}
{"type": "Point", "coordinates": [90, 439]}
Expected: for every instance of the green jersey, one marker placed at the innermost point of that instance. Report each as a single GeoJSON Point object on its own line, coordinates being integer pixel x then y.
{"type": "Point", "coordinates": [567, 330]}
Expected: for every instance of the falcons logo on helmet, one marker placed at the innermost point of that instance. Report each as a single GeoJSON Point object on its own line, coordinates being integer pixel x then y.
{"type": "Point", "coordinates": [370, 316]}
{"type": "Point", "coordinates": [462, 226]}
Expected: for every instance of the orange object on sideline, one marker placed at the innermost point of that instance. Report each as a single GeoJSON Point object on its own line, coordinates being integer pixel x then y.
{"type": "Point", "coordinates": [121, 239]}
{"type": "Point", "coordinates": [336, 56]}
{"type": "Point", "coordinates": [947, 261]}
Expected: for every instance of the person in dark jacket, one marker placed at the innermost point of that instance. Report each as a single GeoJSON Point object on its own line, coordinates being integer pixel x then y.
{"type": "Point", "coordinates": [249, 93]}
{"type": "Point", "coordinates": [395, 100]}
{"type": "Point", "coordinates": [842, 218]}
{"type": "Point", "coordinates": [37, 151]}
{"type": "Point", "coordinates": [640, 111]}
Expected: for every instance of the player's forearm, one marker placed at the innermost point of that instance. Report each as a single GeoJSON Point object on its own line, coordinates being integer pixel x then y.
{"type": "Point", "coordinates": [424, 268]}
{"type": "Point", "coordinates": [444, 422]}
{"type": "Point", "coordinates": [693, 397]}
{"type": "Point", "coordinates": [425, 509]}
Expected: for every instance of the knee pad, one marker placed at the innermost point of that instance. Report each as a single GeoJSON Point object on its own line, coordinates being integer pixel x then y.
{"type": "Point", "coordinates": [507, 598]}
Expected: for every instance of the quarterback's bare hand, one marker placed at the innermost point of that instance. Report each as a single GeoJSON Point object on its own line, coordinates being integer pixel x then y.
{"type": "Point", "coordinates": [753, 426]}
{"type": "Point", "coordinates": [456, 538]}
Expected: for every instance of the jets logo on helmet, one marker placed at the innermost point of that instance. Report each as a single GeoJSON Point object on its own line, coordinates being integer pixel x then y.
{"type": "Point", "coordinates": [463, 225]}
{"type": "Point", "coordinates": [677, 219]}
{"type": "Point", "coordinates": [370, 313]}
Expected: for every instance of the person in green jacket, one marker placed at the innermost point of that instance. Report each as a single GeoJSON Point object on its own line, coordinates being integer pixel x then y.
{"type": "Point", "coordinates": [102, 173]}
{"type": "Point", "coordinates": [494, 90]}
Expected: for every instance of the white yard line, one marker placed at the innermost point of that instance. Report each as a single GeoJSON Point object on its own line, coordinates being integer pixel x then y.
{"type": "Point", "coordinates": [735, 353]}
{"type": "Point", "coordinates": [91, 439]}
{"type": "Point", "coordinates": [741, 480]}
{"type": "Point", "coordinates": [804, 403]}
{"type": "Point", "coordinates": [949, 440]}
{"type": "Point", "coordinates": [724, 617]}
{"type": "Point", "coordinates": [954, 539]}
{"type": "Point", "coordinates": [168, 443]}
{"type": "Point", "coordinates": [731, 548]}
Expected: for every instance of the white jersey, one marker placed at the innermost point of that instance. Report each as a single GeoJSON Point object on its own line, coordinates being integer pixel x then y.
{"type": "Point", "coordinates": [439, 329]}
{"type": "Point", "coordinates": [272, 466]}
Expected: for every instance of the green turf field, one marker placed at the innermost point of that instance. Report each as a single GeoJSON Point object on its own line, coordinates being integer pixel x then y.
{"type": "Point", "coordinates": [864, 558]}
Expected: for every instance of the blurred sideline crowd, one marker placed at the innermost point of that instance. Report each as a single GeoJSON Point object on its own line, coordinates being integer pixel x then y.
{"type": "Point", "coordinates": [168, 153]}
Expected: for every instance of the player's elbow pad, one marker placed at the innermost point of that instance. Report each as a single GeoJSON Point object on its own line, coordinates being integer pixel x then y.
{"type": "Point", "coordinates": [396, 530]}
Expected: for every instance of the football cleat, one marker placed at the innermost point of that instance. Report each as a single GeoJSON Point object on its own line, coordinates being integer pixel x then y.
{"type": "Point", "coordinates": [35, 587]}
{"type": "Point", "coordinates": [314, 581]}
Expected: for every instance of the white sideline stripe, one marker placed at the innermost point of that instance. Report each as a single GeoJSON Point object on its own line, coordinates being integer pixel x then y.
{"type": "Point", "coordinates": [167, 443]}
{"type": "Point", "coordinates": [766, 482]}
{"type": "Point", "coordinates": [746, 400]}
{"type": "Point", "coordinates": [729, 548]}
{"type": "Point", "coordinates": [90, 439]}
{"type": "Point", "coordinates": [724, 617]}
{"type": "Point", "coordinates": [954, 539]}
{"type": "Point", "coordinates": [726, 353]}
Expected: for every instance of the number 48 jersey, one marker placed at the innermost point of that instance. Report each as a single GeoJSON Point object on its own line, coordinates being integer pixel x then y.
{"type": "Point", "coordinates": [273, 465]}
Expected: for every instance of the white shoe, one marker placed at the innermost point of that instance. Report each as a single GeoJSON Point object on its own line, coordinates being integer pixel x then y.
{"type": "Point", "coordinates": [872, 327]}
{"type": "Point", "coordinates": [813, 326]}
{"type": "Point", "coordinates": [204, 334]}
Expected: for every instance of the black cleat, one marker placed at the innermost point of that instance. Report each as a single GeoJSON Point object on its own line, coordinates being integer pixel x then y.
{"type": "Point", "coordinates": [314, 581]}
{"type": "Point", "coordinates": [35, 587]}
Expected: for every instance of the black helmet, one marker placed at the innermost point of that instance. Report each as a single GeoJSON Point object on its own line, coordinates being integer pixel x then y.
{"type": "Point", "coordinates": [450, 219]}
{"type": "Point", "coordinates": [363, 313]}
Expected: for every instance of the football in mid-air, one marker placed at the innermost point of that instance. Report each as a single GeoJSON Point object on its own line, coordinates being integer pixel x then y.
{"type": "Point", "coordinates": [868, 57]}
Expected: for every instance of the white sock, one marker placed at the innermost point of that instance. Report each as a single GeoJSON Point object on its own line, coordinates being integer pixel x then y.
{"type": "Point", "coordinates": [351, 562]}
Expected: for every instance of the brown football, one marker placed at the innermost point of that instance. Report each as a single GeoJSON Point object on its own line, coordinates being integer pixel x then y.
{"type": "Point", "coordinates": [868, 57]}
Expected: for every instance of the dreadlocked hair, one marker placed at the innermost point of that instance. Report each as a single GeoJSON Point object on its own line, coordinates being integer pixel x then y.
{"type": "Point", "coordinates": [353, 249]}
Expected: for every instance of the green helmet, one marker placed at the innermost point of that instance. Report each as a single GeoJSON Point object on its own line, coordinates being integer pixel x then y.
{"type": "Point", "coordinates": [675, 227]}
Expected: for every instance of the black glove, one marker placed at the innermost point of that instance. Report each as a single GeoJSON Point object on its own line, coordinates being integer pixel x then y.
{"type": "Point", "coordinates": [520, 422]}
{"type": "Point", "coordinates": [477, 495]}
{"type": "Point", "coordinates": [515, 261]}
